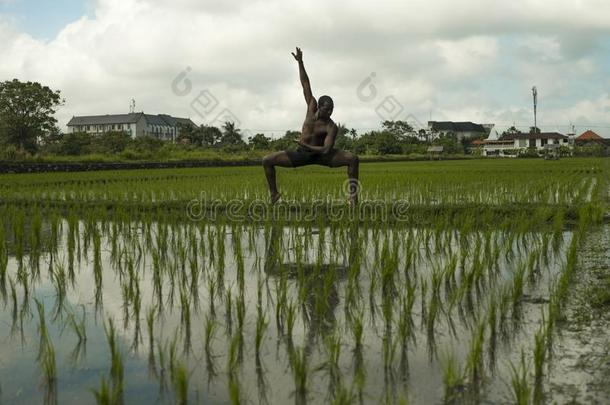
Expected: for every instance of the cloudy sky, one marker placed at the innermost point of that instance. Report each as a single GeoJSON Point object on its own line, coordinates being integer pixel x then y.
{"type": "Point", "coordinates": [211, 60]}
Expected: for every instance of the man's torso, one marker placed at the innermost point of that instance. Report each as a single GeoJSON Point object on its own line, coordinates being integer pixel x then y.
{"type": "Point", "coordinates": [314, 130]}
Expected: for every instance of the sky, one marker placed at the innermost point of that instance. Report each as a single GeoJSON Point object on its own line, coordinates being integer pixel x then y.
{"type": "Point", "coordinates": [417, 60]}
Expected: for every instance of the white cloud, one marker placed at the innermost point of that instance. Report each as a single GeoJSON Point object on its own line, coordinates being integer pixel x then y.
{"type": "Point", "coordinates": [461, 61]}
{"type": "Point", "coordinates": [468, 56]}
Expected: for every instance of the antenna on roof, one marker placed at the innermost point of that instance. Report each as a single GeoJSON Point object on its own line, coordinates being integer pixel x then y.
{"type": "Point", "coordinates": [132, 106]}
{"type": "Point", "coordinates": [535, 94]}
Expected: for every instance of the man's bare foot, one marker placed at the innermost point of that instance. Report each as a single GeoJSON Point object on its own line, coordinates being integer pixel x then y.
{"type": "Point", "coordinates": [275, 197]}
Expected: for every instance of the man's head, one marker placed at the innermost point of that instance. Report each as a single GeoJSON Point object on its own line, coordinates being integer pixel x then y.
{"type": "Point", "coordinates": [325, 106]}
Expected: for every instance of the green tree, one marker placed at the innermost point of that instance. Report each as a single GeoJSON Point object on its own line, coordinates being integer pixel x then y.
{"type": "Point", "coordinates": [511, 131]}
{"type": "Point", "coordinates": [259, 141]}
{"type": "Point", "coordinates": [534, 130]}
{"type": "Point", "coordinates": [231, 135]}
{"type": "Point", "coordinates": [342, 141]}
{"type": "Point", "coordinates": [450, 144]}
{"type": "Point", "coordinates": [27, 113]}
{"type": "Point", "coordinates": [190, 134]}
{"type": "Point", "coordinates": [286, 142]}
{"type": "Point", "coordinates": [400, 129]}
{"type": "Point", "coordinates": [210, 135]}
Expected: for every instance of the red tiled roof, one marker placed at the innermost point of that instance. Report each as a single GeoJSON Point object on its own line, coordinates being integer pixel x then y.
{"type": "Point", "coordinates": [589, 136]}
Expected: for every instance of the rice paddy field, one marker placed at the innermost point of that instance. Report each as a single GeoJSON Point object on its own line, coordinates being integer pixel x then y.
{"type": "Point", "coordinates": [444, 285]}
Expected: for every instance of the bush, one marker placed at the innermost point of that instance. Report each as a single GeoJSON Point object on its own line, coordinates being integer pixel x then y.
{"type": "Point", "coordinates": [10, 152]}
{"type": "Point", "coordinates": [111, 142]}
{"type": "Point", "coordinates": [75, 143]}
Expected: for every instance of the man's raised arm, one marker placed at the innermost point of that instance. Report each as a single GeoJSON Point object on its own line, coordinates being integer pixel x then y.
{"type": "Point", "coordinates": [303, 76]}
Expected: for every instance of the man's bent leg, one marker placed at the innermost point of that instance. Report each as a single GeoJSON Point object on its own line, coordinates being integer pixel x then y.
{"type": "Point", "coordinates": [269, 162]}
{"type": "Point", "coordinates": [342, 158]}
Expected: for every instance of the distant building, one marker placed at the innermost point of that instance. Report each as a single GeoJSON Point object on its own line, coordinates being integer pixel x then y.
{"type": "Point", "coordinates": [435, 152]}
{"type": "Point", "coordinates": [462, 130]}
{"type": "Point", "coordinates": [510, 145]}
{"type": "Point", "coordinates": [161, 126]}
{"type": "Point", "coordinates": [590, 139]}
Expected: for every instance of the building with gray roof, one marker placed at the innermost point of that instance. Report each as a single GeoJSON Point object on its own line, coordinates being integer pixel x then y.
{"type": "Point", "coordinates": [161, 126]}
{"type": "Point", "coordinates": [462, 130]}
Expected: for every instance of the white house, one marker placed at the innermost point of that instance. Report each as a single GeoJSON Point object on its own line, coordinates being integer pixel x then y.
{"type": "Point", "coordinates": [160, 126]}
{"type": "Point", "coordinates": [512, 144]}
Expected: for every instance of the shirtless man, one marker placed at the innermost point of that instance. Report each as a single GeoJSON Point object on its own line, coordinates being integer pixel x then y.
{"type": "Point", "coordinates": [315, 145]}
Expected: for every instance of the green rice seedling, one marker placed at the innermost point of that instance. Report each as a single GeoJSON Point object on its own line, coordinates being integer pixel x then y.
{"type": "Point", "coordinates": [291, 310]}
{"type": "Point", "coordinates": [300, 372]}
{"type": "Point", "coordinates": [388, 349]}
{"type": "Point", "coordinates": [357, 328]}
{"type": "Point", "coordinates": [342, 396]}
{"type": "Point", "coordinates": [474, 361]}
{"type": "Point", "coordinates": [209, 329]}
{"type": "Point", "coordinates": [150, 326]}
{"type": "Point", "coordinates": [79, 327]}
{"type": "Point", "coordinates": [424, 289]}
{"type": "Point", "coordinates": [240, 312]}
{"type": "Point", "coordinates": [520, 388]}
{"type": "Point", "coordinates": [15, 306]}
{"type": "Point", "coordinates": [228, 312]}
{"type": "Point", "coordinates": [492, 325]}
{"type": "Point", "coordinates": [261, 327]}
{"type": "Point", "coordinates": [261, 381]}
{"type": "Point", "coordinates": [185, 317]}
{"type": "Point", "coordinates": [212, 294]}
{"type": "Point", "coordinates": [162, 355]}
{"type": "Point", "coordinates": [533, 270]}
{"type": "Point", "coordinates": [116, 361]}
{"type": "Point", "coordinates": [332, 344]}
{"type": "Point", "coordinates": [3, 263]}
{"type": "Point", "coordinates": [46, 357]}
{"type": "Point", "coordinates": [181, 377]}
{"type": "Point", "coordinates": [220, 249]}
{"type": "Point", "coordinates": [517, 290]}
{"type": "Point", "coordinates": [172, 356]}
{"type": "Point", "coordinates": [405, 319]}
{"type": "Point", "coordinates": [234, 390]}
{"type": "Point", "coordinates": [453, 378]}
{"type": "Point", "coordinates": [540, 347]}
{"type": "Point", "coordinates": [105, 395]}
{"type": "Point", "coordinates": [235, 353]}
{"type": "Point", "coordinates": [59, 282]}
{"type": "Point", "coordinates": [504, 307]}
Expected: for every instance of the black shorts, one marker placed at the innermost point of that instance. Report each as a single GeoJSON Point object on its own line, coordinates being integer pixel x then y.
{"type": "Point", "coordinates": [303, 157]}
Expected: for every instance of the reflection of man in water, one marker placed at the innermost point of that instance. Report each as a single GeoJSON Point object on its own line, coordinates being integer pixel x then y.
{"type": "Point", "coordinates": [316, 144]}
{"type": "Point", "coordinates": [314, 279]}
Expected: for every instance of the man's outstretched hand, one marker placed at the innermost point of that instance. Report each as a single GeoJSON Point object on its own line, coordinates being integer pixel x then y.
{"type": "Point", "coordinates": [299, 55]}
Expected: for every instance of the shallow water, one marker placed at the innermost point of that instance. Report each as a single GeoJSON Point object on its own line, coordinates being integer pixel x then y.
{"type": "Point", "coordinates": [182, 274]}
